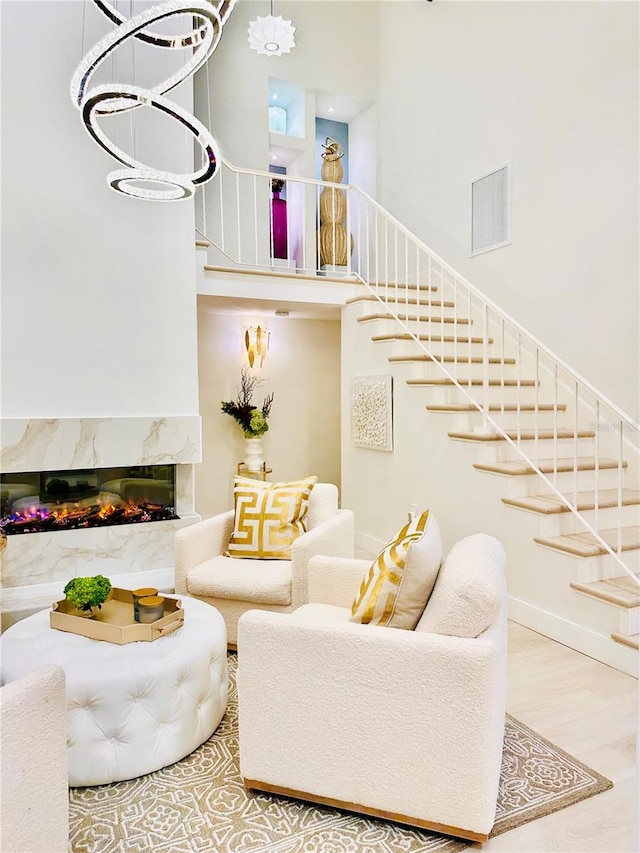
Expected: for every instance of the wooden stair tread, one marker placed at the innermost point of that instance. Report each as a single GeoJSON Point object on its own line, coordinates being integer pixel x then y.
{"type": "Point", "coordinates": [517, 467]}
{"type": "Point", "coordinates": [631, 640]}
{"type": "Point", "coordinates": [423, 318]}
{"type": "Point", "coordinates": [369, 297]}
{"type": "Point", "coordinates": [586, 545]}
{"type": "Point", "coordinates": [623, 591]}
{"type": "Point", "coordinates": [436, 339]}
{"type": "Point", "coordinates": [552, 504]}
{"type": "Point", "coordinates": [476, 359]}
{"type": "Point", "coordinates": [524, 434]}
{"type": "Point", "coordinates": [494, 383]}
{"type": "Point", "coordinates": [496, 407]}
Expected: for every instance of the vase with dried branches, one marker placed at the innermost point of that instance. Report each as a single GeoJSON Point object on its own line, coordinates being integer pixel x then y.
{"type": "Point", "coordinates": [252, 419]}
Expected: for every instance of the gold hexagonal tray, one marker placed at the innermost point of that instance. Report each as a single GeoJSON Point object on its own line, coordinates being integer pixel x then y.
{"type": "Point", "coordinates": [114, 622]}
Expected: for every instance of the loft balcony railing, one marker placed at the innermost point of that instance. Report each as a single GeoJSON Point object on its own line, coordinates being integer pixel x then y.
{"type": "Point", "coordinates": [516, 373]}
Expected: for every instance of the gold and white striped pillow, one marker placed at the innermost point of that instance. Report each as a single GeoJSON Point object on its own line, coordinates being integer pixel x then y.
{"type": "Point", "coordinates": [268, 517]}
{"type": "Point", "coordinates": [397, 587]}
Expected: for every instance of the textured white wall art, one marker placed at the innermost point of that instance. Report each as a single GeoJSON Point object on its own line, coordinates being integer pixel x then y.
{"type": "Point", "coordinates": [372, 412]}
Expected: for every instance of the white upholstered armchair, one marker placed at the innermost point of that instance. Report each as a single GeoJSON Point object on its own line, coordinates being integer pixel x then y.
{"type": "Point", "coordinates": [235, 585]}
{"type": "Point", "coordinates": [33, 741]}
{"type": "Point", "coordinates": [406, 725]}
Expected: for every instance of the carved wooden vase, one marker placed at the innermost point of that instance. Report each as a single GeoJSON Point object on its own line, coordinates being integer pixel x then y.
{"type": "Point", "coordinates": [333, 212]}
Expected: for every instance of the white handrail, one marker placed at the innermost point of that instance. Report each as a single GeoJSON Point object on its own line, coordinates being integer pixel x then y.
{"type": "Point", "coordinates": [298, 180]}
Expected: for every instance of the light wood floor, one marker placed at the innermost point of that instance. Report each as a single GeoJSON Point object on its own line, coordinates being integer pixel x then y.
{"type": "Point", "coordinates": [591, 711]}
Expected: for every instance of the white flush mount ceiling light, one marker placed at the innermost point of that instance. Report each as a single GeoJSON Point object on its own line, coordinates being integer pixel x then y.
{"type": "Point", "coordinates": [206, 21]}
{"type": "Point", "coordinates": [271, 36]}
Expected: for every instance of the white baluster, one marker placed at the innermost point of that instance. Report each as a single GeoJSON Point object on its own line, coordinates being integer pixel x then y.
{"type": "Point", "coordinates": [255, 217]}
{"type": "Point", "coordinates": [238, 216]}
{"type": "Point", "coordinates": [620, 475]}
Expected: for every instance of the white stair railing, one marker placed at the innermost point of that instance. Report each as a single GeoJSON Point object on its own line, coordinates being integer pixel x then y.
{"type": "Point", "coordinates": [517, 374]}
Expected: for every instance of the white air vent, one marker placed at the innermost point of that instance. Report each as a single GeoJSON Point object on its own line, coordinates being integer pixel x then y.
{"type": "Point", "coordinates": [491, 210]}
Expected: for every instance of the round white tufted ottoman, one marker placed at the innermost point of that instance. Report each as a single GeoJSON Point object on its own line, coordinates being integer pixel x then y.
{"type": "Point", "coordinates": [134, 708]}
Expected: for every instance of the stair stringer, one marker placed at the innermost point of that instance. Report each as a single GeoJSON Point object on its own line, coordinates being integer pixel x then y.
{"type": "Point", "coordinates": [428, 469]}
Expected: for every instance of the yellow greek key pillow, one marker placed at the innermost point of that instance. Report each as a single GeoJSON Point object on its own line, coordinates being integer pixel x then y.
{"type": "Point", "coordinates": [268, 517]}
{"type": "Point", "coordinates": [397, 587]}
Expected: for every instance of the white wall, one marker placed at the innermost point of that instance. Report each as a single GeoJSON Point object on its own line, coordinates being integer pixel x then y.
{"type": "Point", "coordinates": [552, 87]}
{"type": "Point", "coordinates": [98, 290]}
{"type": "Point", "coordinates": [363, 134]}
{"type": "Point", "coordinates": [302, 370]}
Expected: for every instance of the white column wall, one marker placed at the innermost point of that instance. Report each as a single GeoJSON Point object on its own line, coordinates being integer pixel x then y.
{"type": "Point", "coordinates": [553, 88]}
{"type": "Point", "coordinates": [98, 290]}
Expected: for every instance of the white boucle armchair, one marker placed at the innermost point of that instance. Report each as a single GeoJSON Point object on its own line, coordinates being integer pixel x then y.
{"type": "Point", "coordinates": [33, 742]}
{"type": "Point", "coordinates": [404, 725]}
{"type": "Point", "coordinates": [235, 585]}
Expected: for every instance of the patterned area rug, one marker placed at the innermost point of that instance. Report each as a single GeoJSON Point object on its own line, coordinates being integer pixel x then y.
{"type": "Point", "coordinates": [200, 804]}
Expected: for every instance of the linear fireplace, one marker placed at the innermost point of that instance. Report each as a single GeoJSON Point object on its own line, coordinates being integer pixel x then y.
{"type": "Point", "coordinates": [48, 501]}
{"type": "Point", "coordinates": [101, 476]}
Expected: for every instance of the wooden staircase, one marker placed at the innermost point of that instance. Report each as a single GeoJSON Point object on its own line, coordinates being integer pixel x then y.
{"type": "Point", "coordinates": [534, 425]}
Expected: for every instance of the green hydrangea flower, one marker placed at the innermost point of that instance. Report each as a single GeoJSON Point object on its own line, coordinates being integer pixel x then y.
{"type": "Point", "coordinates": [257, 424]}
{"type": "Point", "coordinates": [85, 593]}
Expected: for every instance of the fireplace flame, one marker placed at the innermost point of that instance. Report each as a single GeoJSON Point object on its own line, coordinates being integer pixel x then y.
{"type": "Point", "coordinates": [47, 501]}
{"type": "Point", "coordinates": [35, 519]}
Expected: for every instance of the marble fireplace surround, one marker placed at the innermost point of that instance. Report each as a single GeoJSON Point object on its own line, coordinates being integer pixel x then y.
{"type": "Point", "coordinates": [35, 567]}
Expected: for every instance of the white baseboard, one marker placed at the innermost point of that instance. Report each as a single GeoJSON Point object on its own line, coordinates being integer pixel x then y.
{"type": "Point", "coordinates": [598, 646]}
{"type": "Point", "coordinates": [41, 595]}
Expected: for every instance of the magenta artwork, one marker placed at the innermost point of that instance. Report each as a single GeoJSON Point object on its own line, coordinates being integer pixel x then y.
{"type": "Point", "coordinates": [279, 247]}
